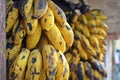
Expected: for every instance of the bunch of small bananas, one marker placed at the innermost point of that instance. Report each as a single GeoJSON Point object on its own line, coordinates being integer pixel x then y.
{"type": "Point", "coordinates": [86, 56]}
{"type": "Point", "coordinates": [37, 35]}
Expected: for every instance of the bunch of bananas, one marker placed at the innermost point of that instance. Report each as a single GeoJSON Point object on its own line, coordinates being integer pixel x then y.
{"type": "Point", "coordinates": [37, 35]}
{"type": "Point", "coordinates": [86, 56]}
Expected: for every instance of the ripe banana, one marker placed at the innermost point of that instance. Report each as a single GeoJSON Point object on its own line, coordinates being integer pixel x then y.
{"type": "Point", "coordinates": [25, 7]}
{"type": "Point", "coordinates": [42, 74]}
{"type": "Point", "coordinates": [47, 20]}
{"type": "Point", "coordinates": [94, 41]}
{"type": "Point", "coordinates": [11, 16]}
{"type": "Point", "coordinates": [84, 19]}
{"type": "Point", "coordinates": [50, 61]}
{"type": "Point", "coordinates": [78, 26]}
{"type": "Point", "coordinates": [8, 5]}
{"type": "Point", "coordinates": [88, 71]}
{"type": "Point", "coordinates": [56, 39]}
{"type": "Point", "coordinates": [30, 23]}
{"type": "Point", "coordinates": [67, 33]}
{"type": "Point", "coordinates": [68, 57]}
{"type": "Point", "coordinates": [12, 51]}
{"type": "Point", "coordinates": [74, 75]}
{"type": "Point", "coordinates": [103, 49]}
{"type": "Point", "coordinates": [58, 12]}
{"type": "Point", "coordinates": [80, 71]}
{"type": "Point", "coordinates": [32, 40]}
{"type": "Point", "coordinates": [34, 65]}
{"type": "Point", "coordinates": [43, 40]}
{"type": "Point", "coordinates": [104, 26]}
{"type": "Point", "coordinates": [20, 33]}
{"type": "Point", "coordinates": [85, 31]}
{"type": "Point", "coordinates": [75, 18]}
{"type": "Point", "coordinates": [62, 69]}
{"type": "Point", "coordinates": [40, 8]}
{"type": "Point", "coordinates": [17, 69]}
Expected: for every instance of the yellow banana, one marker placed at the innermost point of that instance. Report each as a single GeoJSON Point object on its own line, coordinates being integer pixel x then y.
{"type": "Point", "coordinates": [67, 33]}
{"type": "Point", "coordinates": [25, 7]}
{"type": "Point", "coordinates": [102, 17]}
{"type": "Point", "coordinates": [86, 45]}
{"type": "Point", "coordinates": [104, 71]}
{"type": "Point", "coordinates": [40, 8]}
{"type": "Point", "coordinates": [34, 65]}
{"type": "Point", "coordinates": [78, 26]}
{"type": "Point", "coordinates": [12, 16]}
{"type": "Point", "coordinates": [94, 41]}
{"type": "Point", "coordinates": [101, 39]}
{"type": "Point", "coordinates": [84, 19]}
{"type": "Point", "coordinates": [80, 71]}
{"type": "Point", "coordinates": [43, 40]}
{"type": "Point", "coordinates": [85, 31]}
{"type": "Point", "coordinates": [62, 67]}
{"type": "Point", "coordinates": [75, 18]}
{"type": "Point", "coordinates": [30, 23]}
{"type": "Point", "coordinates": [103, 49]}
{"type": "Point", "coordinates": [77, 34]}
{"type": "Point", "coordinates": [95, 75]}
{"type": "Point", "coordinates": [68, 57]}
{"type": "Point", "coordinates": [88, 71]}
{"type": "Point", "coordinates": [47, 20]}
{"type": "Point", "coordinates": [101, 32]}
{"type": "Point", "coordinates": [12, 51]}
{"type": "Point", "coordinates": [8, 5]}
{"type": "Point", "coordinates": [32, 40]}
{"type": "Point", "coordinates": [58, 12]}
{"type": "Point", "coordinates": [90, 16]}
{"type": "Point", "coordinates": [74, 62]}
{"type": "Point", "coordinates": [56, 39]}
{"type": "Point", "coordinates": [74, 75]}
{"type": "Point", "coordinates": [17, 69]}
{"type": "Point", "coordinates": [104, 26]}
{"type": "Point", "coordinates": [91, 23]}
{"type": "Point", "coordinates": [42, 74]}
{"type": "Point", "coordinates": [19, 34]}
{"type": "Point", "coordinates": [50, 60]}
{"type": "Point", "coordinates": [101, 57]}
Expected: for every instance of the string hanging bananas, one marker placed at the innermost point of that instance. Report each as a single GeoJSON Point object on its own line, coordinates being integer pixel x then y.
{"type": "Point", "coordinates": [89, 46]}
{"type": "Point", "coordinates": [37, 34]}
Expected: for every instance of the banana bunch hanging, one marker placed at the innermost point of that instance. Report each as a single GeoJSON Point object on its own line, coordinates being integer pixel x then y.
{"type": "Point", "coordinates": [37, 35]}
{"type": "Point", "coordinates": [86, 56]}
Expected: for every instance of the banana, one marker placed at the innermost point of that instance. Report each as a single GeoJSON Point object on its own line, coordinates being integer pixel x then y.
{"type": "Point", "coordinates": [95, 64]}
{"type": "Point", "coordinates": [56, 39]}
{"type": "Point", "coordinates": [12, 51]}
{"type": "Point", "coordinates": [74, 62]}
{"type": "Point", "coordinates": [50, 61]}
{"type": "Point", "coordinates": [77, 35]}
{"type": "Point", "coordinates": [43, 40]}
{"type": "Point", "coordinates": [25, 7]}
{"type": "Point", "coordinates": [32, 40]}
{"type": "Point", "coordinates": [75, 18]}
{"type": "Point", "coordinates": [74, 75]}
{"type": "Point", "coordinates": [8, 5]}
{"type": "Point", "coordinates": [34, 65]}
{"type": "Point", "coordinates": [102, 17]}
{"type": "Point", "coordinates": [104, 71]}
{"type": "Point", "coordinates": [68, 57]}
{"type": "Point", "coordinates": [58, 12]}
{"type": "Point", "coordinates": [86, 45]}
{"type": "Point", "coordinates": [97, 11]}
{"type": "Point", "coordinates": [62, 69]}
{"type": "Point", "coordinates": [80, 71]}
{"type": "Point", "coordinates": [94, 41]}
{"type": "Point", "coordinates": [78, 26]}
{"type": "Point", "coordinates": [95, 75]}
{"type": "Point", "coordinates": [103, 49]}
{"type": "Point", "coordinates": [90, 16]}
{"type": "Point", "coordinates": [30, 23]}
{"type": "Point", "coordinates": [101, 39]}
{"type": "Point", "coordinates": [47, 20]}
{"type": "Point", "coordinates": [19, 34]}
{"type": "Point", "coordinates": [67, 33]}
{"type": "Point", "coordinates": [101, 32]}
{"type": "Point", "coordinates": [91, 23]}
{"type": "Point", "coordinates": [17, 69]}
{"type": "Point", "coordinates": [42, 74]}
{"type": "Point", "coordinates": [40, 8]}
{"type": "Point", "coordinates": [85, 31]}
{"type": "Point", "coordinates": [104, 26]}
{"type": "Point", "coordinates": [84, 19]}
{"type": "Point", "coordinates": [88, 71]}
{"type": "Point", "coordinates": [83, 54]}
{"type": "Point", "coordinates": [12, 16]}
{"type": "Point", "coordinates": [101, 57]}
